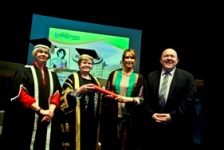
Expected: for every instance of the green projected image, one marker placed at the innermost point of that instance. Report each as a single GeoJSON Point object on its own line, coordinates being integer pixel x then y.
{"type": "Point", "coordinates": [64, 57]}
{"type": "Point", "coordinates": [107, 41]}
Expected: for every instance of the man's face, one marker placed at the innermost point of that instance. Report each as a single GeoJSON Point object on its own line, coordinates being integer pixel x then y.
{"type": "Point", "coordinates": [169, 59]}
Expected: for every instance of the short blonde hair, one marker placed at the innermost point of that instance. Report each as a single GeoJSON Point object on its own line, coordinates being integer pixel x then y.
{"type": "Point", "coordinates": [85, 57]}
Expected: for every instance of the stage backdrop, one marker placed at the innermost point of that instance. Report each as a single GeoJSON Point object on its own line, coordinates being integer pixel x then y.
{"type": "Point", "coordinates": [109, 42]}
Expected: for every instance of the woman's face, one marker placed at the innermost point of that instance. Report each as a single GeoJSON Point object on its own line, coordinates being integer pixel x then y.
{"type": "Point", "coordinates": [86, 66]}
{"type": "Point", "coordinates": [129, 60]}
{"type": "Point", "coordinates": [42, 55]}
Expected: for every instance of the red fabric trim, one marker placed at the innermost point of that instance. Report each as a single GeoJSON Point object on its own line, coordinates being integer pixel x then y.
{"type": "Point", "coordinates": [35, 64]}
{"type": "Point", "coordinates": [55, 99]}
{"type": "Point", "coordinates": [43, 75]}
{"type": "Point", "coordinates": [124, 139]}
{"type": "Point", "coordinates": [25, 98]}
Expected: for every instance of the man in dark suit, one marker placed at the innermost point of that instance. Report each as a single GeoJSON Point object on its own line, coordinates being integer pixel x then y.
{"type": "Point", "coordinates": [170, 124]}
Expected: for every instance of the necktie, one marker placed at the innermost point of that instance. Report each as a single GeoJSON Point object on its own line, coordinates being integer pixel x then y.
{"type": "Point", "coordinates": [162, 92]}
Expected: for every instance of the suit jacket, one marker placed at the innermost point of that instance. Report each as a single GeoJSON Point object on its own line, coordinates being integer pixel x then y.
{"type": "Point", "coordinates": [180, 105]}
{"type": "Point", "coordinates": [181, 97]}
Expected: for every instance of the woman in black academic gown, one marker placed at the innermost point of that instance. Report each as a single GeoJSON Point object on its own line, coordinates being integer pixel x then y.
{"type": "Point", "coordinates": [80, 104]}
{"type": "Point", "coordinates": [30, 120]}
{"type": "Point", "coordinates": [123, 116]}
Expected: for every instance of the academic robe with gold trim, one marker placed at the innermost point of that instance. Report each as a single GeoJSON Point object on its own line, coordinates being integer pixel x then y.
{"type": "Point", "coordinates": [80, 119]}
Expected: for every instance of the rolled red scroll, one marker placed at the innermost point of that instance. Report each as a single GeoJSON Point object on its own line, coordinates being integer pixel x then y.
{"type": "Point", "coordinates": [106, 92]}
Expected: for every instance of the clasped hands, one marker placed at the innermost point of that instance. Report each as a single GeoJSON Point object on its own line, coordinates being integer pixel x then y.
{"type": "Point", "coordinates": [48, 115]}
{"type": "Point", "coordinates": [163, 118]}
